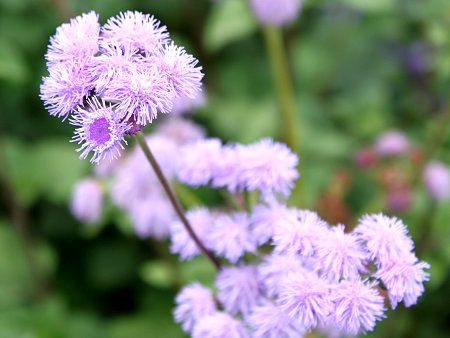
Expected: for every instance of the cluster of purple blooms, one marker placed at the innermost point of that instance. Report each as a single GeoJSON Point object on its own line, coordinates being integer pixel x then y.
{"type": "Point", "coordinates": [276, 12]}
{"type": "Point", "coordinates": [113, 79]}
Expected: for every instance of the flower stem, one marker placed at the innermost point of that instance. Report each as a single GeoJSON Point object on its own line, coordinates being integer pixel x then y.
{"type": "Point", "coordinates": [285, 91]}
{"type": "Point", "coordinates": [174, 200]}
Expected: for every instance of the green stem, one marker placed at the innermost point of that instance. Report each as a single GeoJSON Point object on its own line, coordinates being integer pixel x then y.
{"type": "Point", "coordinates": [285, 91]}
{"type": "Point", "coordinates": [174, 200]}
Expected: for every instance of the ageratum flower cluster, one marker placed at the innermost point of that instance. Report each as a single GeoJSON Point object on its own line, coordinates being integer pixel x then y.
{"type": "Point", "coordinates": [113, 79]}
{"type": "Point", "coordinates": [289, 271]}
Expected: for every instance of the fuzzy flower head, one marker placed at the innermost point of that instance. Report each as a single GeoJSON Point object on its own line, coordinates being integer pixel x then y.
{"type": "Point", "coordinates": [276, 12]}
{"type": "Point", "coordinates": [198, 160]}
{"type": "Point", "coordinates": [404, 277]}
{"type": "Point", "coordinates": [202, 221]}
{"type": "Point", "coordinates": [385, 238]}
{"type": "Point", "coordinates": [181, 71]}
{"type": "Point", "coordinates": [306, 298]}
{"type": "Point", "coordinates": [219, 325]}
{"type": "Point", "coordinates": [98, 131]}
{"type": "Point", "coordinates": [392, 143]}
{"type": "Point", "coordinates": [76, 39]}
{"type": "Point", "coordinates": [299, 233]}
{"type": "Point", "coordinates": [140, 95]}
{"type": "Point", "coordinates": [230, 236]}
{"type": "Point", "coordinates": [66, 87]}
{"type": "Point", "coordinates": [268, 166]}
{"type": "Point", "coordinates": [180, 130]}
{"type": "Point", "coordinates": [437, 180]}
{"type": "Point", "coordinates": [339, 255]}
{"type": "Point", "coordinates": [269, 321]}
{"type": "Point", "coordinates": [357, 307]}
{"type": "Point", "coordinates": [87, 200]}
{"type": "Point", "coordinates": [238, 289]}
{"type": "Point", "coordinates": [136, 30]}
{"type": "Point", "coordinates": [193, 303]}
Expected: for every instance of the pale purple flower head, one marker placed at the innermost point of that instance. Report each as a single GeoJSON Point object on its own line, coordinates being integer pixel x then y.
{"type": "Point", "coordinates": [227, 169]}
{"type": "Point", "coordinates": [384, 238]}
{"type": "Point", "coordinates": [268, 320]}
{"type": "Point", "coordinates": [306, 298]}
{"type": "Point", "coordinates": [392, 143]}
{"type": "Point", "coordinates": [299, 233]}
{"type": "Point", "coordinates": [87, 200]}
{"type": "Point", "coordinates": [197, 161]}
{"type": "Point", "coordinates": [403, 277]}
{"type": "Point", "coordinates": [437, 180]}
{"type": "Point", "coordinates": [276, 12]}
{"type": "Point", "coordinates": [274, 268]}
{"type": "Point", "coordinates": [66, 87]}
{"type": "Point", "coordinates": [181, 71]}
{"type": "Point", "coordinates": [339, 255]}
{"type": "Point", "coordinates": [99, 131]}
{"type": "Point", "coordinates": [264, 218]}
{"type": "Point", "coordinates": [77, 39]}
{"type": "Point", "coordinates": [219, 325]}
{"type": "Point", "coordinates": [267, 166]}
{"type": "Point", "coordinates": [230, 236]}
{"type": "Point", "coordinates": [136, 30]}
{"type": "Point", "coordinates": [180, 130]}
{"type": "Point", "coordinates": [140, 95]}
{"type": "Point", "coordinates": [184, 105]}
{"type": "Point", "coordinates": [193, 303]}
{"type": "Point", "coordinates": [356, 307]}
{"type": "Point", "coordinates": [238, 289]}
{"type": "Point", "coordinates": [182, 243]}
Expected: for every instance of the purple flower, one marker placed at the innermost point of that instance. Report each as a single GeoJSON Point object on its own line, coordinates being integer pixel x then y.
{"type": "Point", "coordinates": [180, 130]}
{"type": "Point", "coordinates": [357, 307]}
{"type": "Point", "coordinates": [136, 30]}
{"type": "Point", "coordinates": [230, 236]}
{"type": "Point", "coordinates": [306, 298]}
{"type": "Point", "coordinates": [268, 166]}
{"type": "Point", "coordinates": [339, 255]}
{"type": "Point", "coordinates": [182, 243]}
{"type": "Point", "coordinates": [219, 325]}
{"type": "Point", "coordinates": [66, 87]}
{"type": "Point", "coordinates": [197, 161]}
{"type": "Point", "coordinates": [264, 218]}
{"type": "Point", "coordinates": [114, 62]}
{"type": "Point", "coordinates": [392, 143]}
{"type": "Point", "coordinates": [98, 130]}
{"type": "Point", "coordinates": [299, 233]}
{"type": "Point", "coordinates": [269, 321]}
{"type": "Point", "coordinates": [238, 289]}
{"type": "Point", "coordinates": [141, 94]}
{"type": "Point", "coordinates": [276, 12]}
{"type": "Point", "coordinates": [384, 238]}
{"type": "Point", "coordinates": [403, 277]}
{"type": "Point", "coordinates": [274, 268]}
{"type": "Point", "coordinates": [181, 71]}
{"type": "Point", "coordinates": [184, 105]}
{"type": "Point", "coordinates": [227, 169]}
{"type": "Point", "coordinates": [437, 180]}
{"type": "Point", "coordinates": [193, 303]}
{"type": "Point", "coordinates": [77, 39]}
{"type": "Point", "coordinates": [87, 200]}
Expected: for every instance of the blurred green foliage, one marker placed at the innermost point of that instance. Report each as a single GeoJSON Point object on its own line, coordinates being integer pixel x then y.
{"type": "Point", "coordinates": [360, 67]}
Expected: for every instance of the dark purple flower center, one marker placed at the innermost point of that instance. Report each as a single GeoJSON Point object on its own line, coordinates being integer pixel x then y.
{"type": "Point", "coordinates": [99, 131]}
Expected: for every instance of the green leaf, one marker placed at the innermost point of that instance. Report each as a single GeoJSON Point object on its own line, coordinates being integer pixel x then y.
{"type": "Point", "coordinates": [229, 21]}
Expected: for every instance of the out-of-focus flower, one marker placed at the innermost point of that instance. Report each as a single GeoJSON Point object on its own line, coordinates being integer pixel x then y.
{"type": "Point", "coordinates": [193, 303]}
{"type": "Point", "coordinates": [269, 321]}
{"type": "Point", "coordinates": [399, 199]}
{"type": "Point", "coordinates": [99, 131]}
{"type": "Point", "coordinates": [365, 158]}
{"type": "Point", "coordinates": [238, 289]}
{"type": "Point", "coordinates": [183, 105]}
{"type": "Point", "coordinates": [392, 143]}
{"type": "Point", "coordinates": [357, 307]}
{"type": "Point", "coordinates": [87, 200]}
{"type": "Point", "coordinates": [276, 12]}
{"type": "Point", "coordinates": [437, 180]}
{"type": "Point", "coordinates": [180, 130]}
{"type": "Point", "coordinates": [219, 325]}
